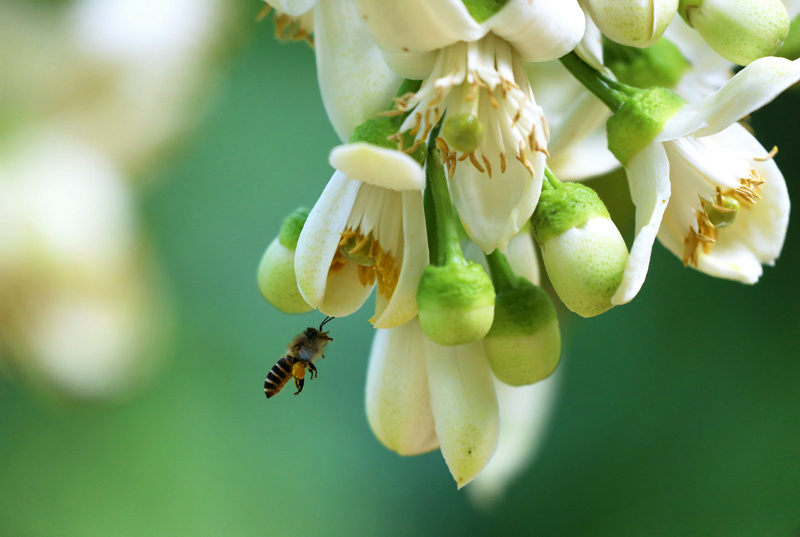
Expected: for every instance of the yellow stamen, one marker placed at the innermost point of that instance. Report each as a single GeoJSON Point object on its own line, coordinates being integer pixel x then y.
{"type": "Point", "coordinates": [374, 264]}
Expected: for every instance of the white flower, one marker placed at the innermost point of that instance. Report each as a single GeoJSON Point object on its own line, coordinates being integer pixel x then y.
{"type": "Point", "coordinates": [358, 235]}
{"type": "Point", "coordinates": [475, 69]}
{"type": "Point", "coordinates": [700, 150]}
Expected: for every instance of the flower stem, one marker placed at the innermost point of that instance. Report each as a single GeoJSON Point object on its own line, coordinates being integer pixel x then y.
{"type": "Point", "coordinates": [444, 245]}
{"type": "Point", "coordinates": [502, 276]}
{"type": "Point", "coordinates": [612, 93]}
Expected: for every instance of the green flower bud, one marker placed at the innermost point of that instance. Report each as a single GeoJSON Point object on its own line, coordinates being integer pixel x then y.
{"type": "Point", "coordinates": [636, 23]}
{"type": "Point", "coordinates": [524, 343]}
{"type": "Point", "coordinates": [640, 119]}
{"type": "Point", "coordinates": [659, 65]}
{"type": "Point", "coordinates": [583, 252]}
{"type": "Point", "coordinates": [464, 132]}
{"type": "Point", "coordinates": [276, 277]}
{"type": "Point", "coordinates": [722, 215]}
{"type": "Point", "coordinates": [739, 30]}
{"type": "Point", "coordinates": [456, 303]}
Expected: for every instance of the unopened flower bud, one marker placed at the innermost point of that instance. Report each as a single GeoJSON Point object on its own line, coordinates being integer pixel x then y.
{"type": "Point", "coordinates": [524, 344]}
{"type": "Point", "coordinates": [738, 30]}
{"type": "Point", "coordinates": [637, 23]}
{"type": "Point", "coordinates": [456, 303]}
{"type": "Point", "coordinates": [583, 252]}
{"type": "Point", "coordinates": [276, 276]}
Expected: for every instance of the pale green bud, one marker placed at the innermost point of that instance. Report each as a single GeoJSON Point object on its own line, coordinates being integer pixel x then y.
{"type": "Point", "coordinates": [276, 276]}
{"type": "Point", "coordinates": [659, 65]}
{"type": "Point", "coordinates": [739, 30]}
{"type": "Point", "coordinates": [464, 132]}
{"type": "Point", "coordinates": [456, 303]}
{"type": "Point", "coordinates": [637, 23]}
{"type": "Point", "coordinates": [385, 132]}
{"type": "Point", "coordinates": [640, 119]}
{"type": "Point", "coordinates": [524, 344]}
{"type": "Point", "coordinates": [582, 249]}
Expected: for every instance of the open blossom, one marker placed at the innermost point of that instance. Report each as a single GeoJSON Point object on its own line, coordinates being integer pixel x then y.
{"type": "Point", "coordinates": [701, 158]}
{"type": "Point", "coordinates": [474, 69]}
{"type": "Point", "coordinates": [360, 235]}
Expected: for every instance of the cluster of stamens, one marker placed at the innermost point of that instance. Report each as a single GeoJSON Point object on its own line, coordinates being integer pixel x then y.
{"type": "Point", "coordinates": [466, 77]}
{"type": "Point", "coordinates": [373, 263]}
{"type": "Point", "coordinates": [287, 27]}
{"type": "Point", "coordinates": [746, 194]}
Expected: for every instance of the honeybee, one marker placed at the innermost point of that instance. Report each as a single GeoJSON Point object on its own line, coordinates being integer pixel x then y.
{"type": "Point", "coordinates": [300, 355]}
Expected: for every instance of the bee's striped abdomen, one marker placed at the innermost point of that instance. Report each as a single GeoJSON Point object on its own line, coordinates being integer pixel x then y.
{"type": "Point", "coordinates": [278, 376]}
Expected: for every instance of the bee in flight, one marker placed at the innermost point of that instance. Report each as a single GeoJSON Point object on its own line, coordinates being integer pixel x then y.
{"type": "Point", "coordinates": [300, 355]}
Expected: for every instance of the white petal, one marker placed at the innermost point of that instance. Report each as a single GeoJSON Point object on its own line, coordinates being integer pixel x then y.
{"type": "Point", "coordinates": [411, 65]}
{"type": "Point", "coordinates": [750, 89]}
{"type": "Point", "coordinates": [292, 7]}
{"type": "Point", "coordinates": [354, 81]}
{"type": "Point", "coordinates": [464, 407]}
{"type": "Point", "coordinates": [541, 30]}
{"type": "Point", "coordinates": [344, 294]}
{"type": "Point", "coordinates": [524, 413]}
{"type": "Point", "coordinates": [320, 237]}
{"type": "Point", "coordinates": [419, 25]}
{"type": "Point", "coordinates": [397, 399]}
{"type": "Point", "coordinates": [378, 166]}
{"type": "Point", "coordinates": [648, 179]}
{"type": "Point", "coordinates": [402, 307]}
{"type": "Point", "coordinates": [493, 210]}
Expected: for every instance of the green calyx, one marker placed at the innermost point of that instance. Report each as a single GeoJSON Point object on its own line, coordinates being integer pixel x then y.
{"type": "Point", "coordinates": [521, 310]}
{"type": "Point", "coordinates": [456, 303]}
{"type": "Point", "coordinates": [660, 65]}
{"type": "Point", "coordinates": [480, 10]}
{"type": "Point", "coordinates": [639, 120]}
{"type": "Point", "coordinates": [383, 132]}
{"type": "Point", "coordinates": [564, 207]}
{"type": "Point", "coordinates": [292, 226]}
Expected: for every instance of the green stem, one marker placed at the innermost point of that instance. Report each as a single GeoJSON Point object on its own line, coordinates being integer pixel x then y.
{"type": "Point", "coordinates": [612, 93]}
{"type": "Point", "coordinates": [447, 248]}
{"type": "Point", "coordinates": [502, 275]}
{"type": "Point", "coordinates": [551, 181]}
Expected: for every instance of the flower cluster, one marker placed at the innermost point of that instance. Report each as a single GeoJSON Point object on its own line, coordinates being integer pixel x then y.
{"type": "Point", "coordinates": [457, 119]}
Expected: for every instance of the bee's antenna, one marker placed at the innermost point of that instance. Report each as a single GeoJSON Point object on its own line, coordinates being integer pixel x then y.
{"type": "Point", "coordinates": [326, 320]}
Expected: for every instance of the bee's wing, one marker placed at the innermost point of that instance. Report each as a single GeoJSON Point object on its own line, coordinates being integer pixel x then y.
{"type": "Point", "coordinates": [308, 353]}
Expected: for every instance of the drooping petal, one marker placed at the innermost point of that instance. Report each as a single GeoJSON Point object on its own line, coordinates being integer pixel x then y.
{"type": "Point", "coordinates": [397, 399]}
{"type": "Point", "coordinates": [493, 210]}
{"type": "Point", "coordinates": [648, 179]}
{"type": "Point", "coordinates": [411, 65]}
{"type": "Point", "coordinates": [402, 306]}
{"type": "Point", "coordinates": [344, 293]}
{"type": "Point", "coordinates": [354, 81]}
{"type": "Point", "coordinates": [419, 25]}
{"type": "Point", "coordinates": [292, 7]}
{"type": "Point", "coordinates": [320, 237]}
{"type": "Point", "coordinates": [380, 166]}
{"type": "Point", "coordinates": [757, 235]}
{"type": "Point", "coordinates": [541, 30]}
{"type": "Point", "coordinates": [464, 407]}
{"type": "Point", "coordinates": [750, 89]}
{"type": "Point", "coordinates": [524, 413]}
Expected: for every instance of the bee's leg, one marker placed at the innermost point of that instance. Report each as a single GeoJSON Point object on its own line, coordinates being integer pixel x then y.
{"type": "Point", "coordinates": [299, 383]}
{"type": "Point", "coordinates": [299, 373]}
{"type": "Point", "coordinates": [313, 370]}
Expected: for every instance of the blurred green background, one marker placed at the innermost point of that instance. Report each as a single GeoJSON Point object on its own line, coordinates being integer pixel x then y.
{"type": "Point", "coordinates": [679, 414]}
